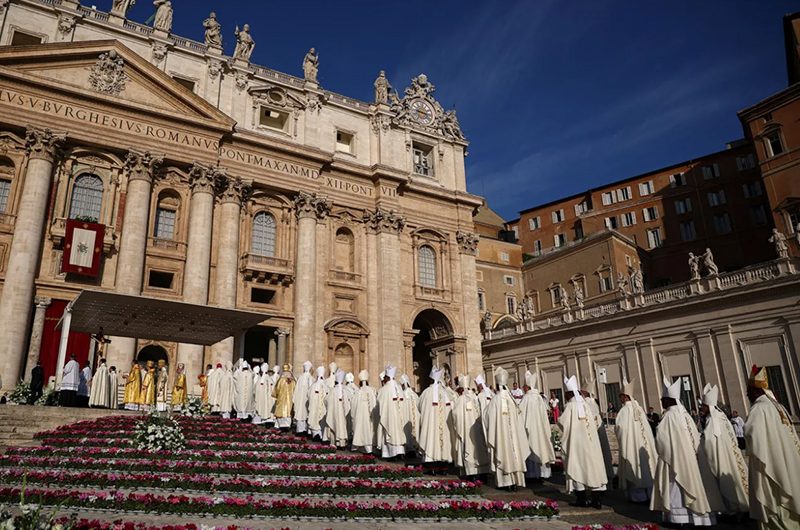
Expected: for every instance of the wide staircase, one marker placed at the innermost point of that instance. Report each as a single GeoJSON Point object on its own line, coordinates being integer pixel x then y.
{"type": "Point", "coordinates": [19, 423]}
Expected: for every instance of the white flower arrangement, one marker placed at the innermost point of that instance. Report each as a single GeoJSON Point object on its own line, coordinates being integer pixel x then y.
{"type": "Point", "coordinates": [194, 408]}
{"type": "Point", "coordinates": [158, 432]}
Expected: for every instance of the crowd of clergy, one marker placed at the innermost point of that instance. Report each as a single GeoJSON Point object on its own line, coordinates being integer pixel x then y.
{"type": "Point", "coordinates": [691, 474]}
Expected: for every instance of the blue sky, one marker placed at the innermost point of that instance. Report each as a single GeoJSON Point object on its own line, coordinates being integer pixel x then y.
{"type": "Point", "coordinates": [554, 96]}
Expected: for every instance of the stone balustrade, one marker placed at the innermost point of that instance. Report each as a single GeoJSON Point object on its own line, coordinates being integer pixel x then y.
{"type": "Point", "coordinates": [664, 295]}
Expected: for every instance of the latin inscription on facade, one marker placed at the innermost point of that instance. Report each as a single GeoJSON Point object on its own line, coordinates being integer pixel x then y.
{"type": "Point", "coordinates": [94, 117]}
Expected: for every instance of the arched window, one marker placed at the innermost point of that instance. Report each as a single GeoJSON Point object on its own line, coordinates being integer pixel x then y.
{"type": "Point", "coordinates": [345, 258]}
{"type": "Point", "coordinates": [166, 216]}
{"type": "Point", "coordinates": [263, 240]}
{"type": "Point", "coordinates": [87, 198]}
{"type": "Point", "coordinates": [427, 267]}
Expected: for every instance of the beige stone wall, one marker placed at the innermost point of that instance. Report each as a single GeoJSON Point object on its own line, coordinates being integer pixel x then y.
{"type": "Point", "coordinates": [714, 337]}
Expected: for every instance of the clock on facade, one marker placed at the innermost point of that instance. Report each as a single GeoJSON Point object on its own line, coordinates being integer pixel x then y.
{"type": "Point", "coordinates": [422, 111]}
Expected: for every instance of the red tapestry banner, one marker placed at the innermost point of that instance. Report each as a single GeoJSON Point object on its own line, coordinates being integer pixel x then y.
{"type": "Point", "coordinates": [83, 248]}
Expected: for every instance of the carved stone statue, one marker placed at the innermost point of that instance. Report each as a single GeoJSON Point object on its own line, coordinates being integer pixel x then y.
{"type": "Point", "coordinates": [311, 65]}
{"type": "Point", "coordinates": [622, 285]}
{"type": "Point", "coordinates": [450, 126]}
{"type": "Point", "coordinates": [564, 301]}
{"type": "Point", "coordinates": [163, 20]}
{"type": "Point", "coordinates": [578, 295]}
{"type": "Point", "coordinates": [708, 263]}
{"type": "Point", "coordinates": [527, 302]}
{"type": "Point", "coordinates": [382, 88]}
{"type": "Point", "coordinates": [244, 44]}
{"type": "Point", "coordinates": [487, 321]}
{"type": "Point", "coordinates": [520, 313]}
{"type": "Point", "coordinates": [213, 31]}
{"type": "Point", "coordinates": [637, 280]}
{"type": "Point", "coordinates": [694, 266]}
{"type": "Point", "coordinates": [121, 7]}
{"type": "Point", "coordinates": [779, 240]}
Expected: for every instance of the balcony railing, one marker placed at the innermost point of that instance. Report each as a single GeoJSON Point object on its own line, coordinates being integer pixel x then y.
{"type": "Point", "coordinates": [266, 269]}
{"type": "Point", "coordinates": [672, 293]}
{"type": "Point", "coordinates": [344, 276]}
{"type": "Point", "coordinates": [166, 244]}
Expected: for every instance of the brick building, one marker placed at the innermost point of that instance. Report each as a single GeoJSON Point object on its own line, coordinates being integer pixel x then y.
{"type": "Point", "coordinates": [773, 126]}
{"type": "Point", "coordinates": [716, 201]}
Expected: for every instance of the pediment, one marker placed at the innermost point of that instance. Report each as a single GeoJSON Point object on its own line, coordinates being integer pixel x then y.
{"type": "Point", "coordinates": [108, 70]}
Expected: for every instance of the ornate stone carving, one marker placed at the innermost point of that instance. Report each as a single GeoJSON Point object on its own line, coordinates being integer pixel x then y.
{"type": "Point", "coordinates": [314, 102]}
{"type": "Point", "coordinates": [694, 266]}
{"type": "Point", "coordinates": [467, 242]}
{"type": "Point", "coordinates": [637, 280]}
{"type": "Point", "coordinates": [202, 179]}
{"type": "Point", "coordinates": [577, 294]}
{"type": "Point", "coordinates": [380, 122]}
{"type": "Point", "coordinates": [142, 166]}
{"type": "Point", "coordinates": [382, 88]}
{"type": "Point", "coordinates": [311, 66]}
{"type": "Point", "coordinates": [242, 78]}
{"type": "Point", "coordinates": [418, 109]}
{"type": "Point", "coordinates": [283, 332]}
{"type": "Point", "coordinates": [3, 5]}
{"type": "Point", "coordinates": [65, 23]}
{"type": "Point", "coordinates": [43, 143]}
{"type": "Point", "coordinates": [622, 285]}
{"type": "Point", "coordinates": [213, 31]}
{"type": "Point", "coordinates": [215, 68]}
{"type": "Point", "coordinates": [233, 189]}
{"type": "Point", "coordinates": [382, 221]}
{"type": "Point", "coordinates": [310, 205]}
{"type": "Point", "coordinates": [163, 19]}
{"type": "Point", "coordinates": [108, 74]}
{"type": "Point", "coordinates": [244, 44]}
{"type": "Point", "coordinates": [121, 7]}
{"type": "Point", "coordinates": [159, 50]}
{"type": "Point", "coordinates": [42, 301]}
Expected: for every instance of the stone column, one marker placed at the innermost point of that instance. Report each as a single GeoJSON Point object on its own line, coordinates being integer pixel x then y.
{"type": "Point", "coordinates": [282, 333]}
{"type": "Point", "coordinates": [388, 226]}
{"type": "Point", "coordinates": [42, 303]}
{"type": "Point", "coordinates": [272, 352]}
{"type": "Point", "coordinates": [468, 247]}
{"type": "Point", "coordinates": [231, 193]}
{"type": "Point", "coordinates": [198, 257]}
{"type": "Point", "coordinates": [141, 169]}
{"type": "Point", "coordinates": [23, 260]}
{"type": "Point", "coordinates": [309, 209]}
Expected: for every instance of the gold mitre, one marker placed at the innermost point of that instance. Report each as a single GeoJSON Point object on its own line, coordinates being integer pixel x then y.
{"type": "Point", "coordinates": [162, 363]}
{"type": "Point", "coordinates": [150, 364]}
{"type": "Point", "coordinates": [758, 378]}
{"type": "Point", "coordinates": [287, 367]}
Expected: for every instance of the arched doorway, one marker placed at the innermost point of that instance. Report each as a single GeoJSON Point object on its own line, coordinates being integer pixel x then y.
{"type": "Point", "coordinates": [432, 344]}
{"type": "Point", "coordinates": [154, 353]}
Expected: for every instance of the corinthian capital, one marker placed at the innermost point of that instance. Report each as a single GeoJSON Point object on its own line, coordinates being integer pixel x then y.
{"type": "Point", "coordinates": [43, 143]}
{"type": "Point", "coordinates": [142, 166]}
{"type": "Point", "coordinates": [382, 221]}
{"type": "Point", "coordinates": [202, 179]}
{"type": "Point", "coordinates": [308, 205]}
{"type": "Point", "coordinates": [233, 189]}
{"type": "Point", "coordinates": [467, 242]}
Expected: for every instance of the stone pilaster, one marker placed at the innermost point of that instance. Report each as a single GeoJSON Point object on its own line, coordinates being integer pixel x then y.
{"type": "Point", "coordinates": [468, 246]}
{"type": "Point", "coordinates": [141, 169]}
{"type": "Point", "coordinates": [202, 181]}
{"type": "Point", "coordinates": [15, 304]}
{"type": "Point", "coordinates": [231, 193]}
{"type": "Point", "coordinates": [42, 303]}
{"type": "Point", "coordinates": [309, 210]}
{"type": "Point", "coordinates": [283, 334]}
{"type": "Point", "coordinates": [387, 225]}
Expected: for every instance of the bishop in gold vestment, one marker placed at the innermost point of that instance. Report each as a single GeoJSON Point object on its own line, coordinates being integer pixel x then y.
{"type": "Point", "coordinates": [133, 388]}
{"type": "Point", "coordinates": [147, 396]}
{"type": "Point", "coordinates": [179, 388]}
{"type": "Point", "coordinates": [283, 394]}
